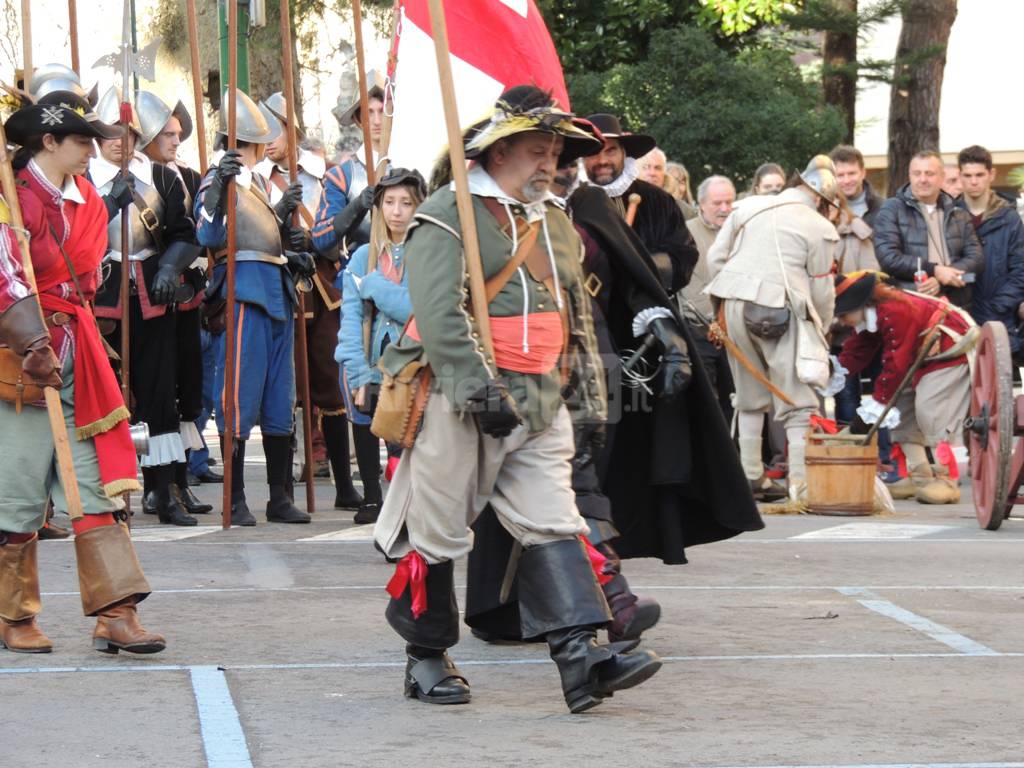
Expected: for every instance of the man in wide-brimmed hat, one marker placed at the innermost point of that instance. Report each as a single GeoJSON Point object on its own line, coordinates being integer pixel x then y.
{"type": "Point", "coordinates": [51, 327]}
{"type": "Point", "coordinates": [266, 273]}
{"type": "Point", "coordinates": [342, 221]}
{"type": "Point", "coordinates": [657, 219]}
{"type": "Point", "coordinates": [496, 429]}
{"type": "Point", "coordinates": [322, 306]}
{"type": "Point", "coordinates": [162, 242]}
{"type": "Point", "coordinates": [771, 268]}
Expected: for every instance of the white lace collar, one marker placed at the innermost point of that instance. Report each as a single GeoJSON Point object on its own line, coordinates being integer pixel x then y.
{"type": "Point", "coordinates": [618, 187]}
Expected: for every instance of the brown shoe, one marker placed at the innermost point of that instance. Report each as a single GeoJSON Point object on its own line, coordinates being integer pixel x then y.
{"type": "Point", "coordinates": [941, 490]}
{"type": "Point", "coordinates": [51, 532]}
{"type": "Point", "coordinates": [24, 636]}
{"type": "Point", "coordinates": [118, 629]}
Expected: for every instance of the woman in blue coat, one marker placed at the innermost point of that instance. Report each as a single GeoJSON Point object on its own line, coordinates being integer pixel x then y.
{"type": "Point", "coordinates": [374, 287]}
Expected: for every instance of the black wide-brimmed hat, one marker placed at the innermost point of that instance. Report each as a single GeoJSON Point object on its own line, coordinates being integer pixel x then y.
{"type": "Point", "coordinates": [854, 290]}
{"type": "Point", "coordinates": [634, 144]}
{"type": "Point", "coordinates": [61, 113]}
{"type": "Point", "coordinates": [399, 177]}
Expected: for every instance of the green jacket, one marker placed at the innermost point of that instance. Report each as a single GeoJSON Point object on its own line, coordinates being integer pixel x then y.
{"type": "Point", "coordinates": [450, 339]}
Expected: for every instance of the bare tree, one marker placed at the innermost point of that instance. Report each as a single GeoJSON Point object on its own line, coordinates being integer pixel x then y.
{"type": "Point", "coordinates": [917, 83]}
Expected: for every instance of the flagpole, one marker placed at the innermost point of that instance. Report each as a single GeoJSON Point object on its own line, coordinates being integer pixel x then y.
{"type": "Point", "coordinates": [197, 88]}
{"type": "Point", "coordinates": [293, 176]}
{"type": "Point", "coordinates": [467, 219]}
{"type": "Point", "coordinates": [54, 407]}
{"type": "Point", "coordinates": [230, 361]}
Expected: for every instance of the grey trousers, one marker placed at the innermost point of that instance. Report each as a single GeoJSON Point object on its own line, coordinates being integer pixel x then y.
{"type": "Point", "coordinates": [28, 464]}
{"type": "Point", "coordinates": [453, 471]}
{"type": "Point", "coordinates": [934, 410]}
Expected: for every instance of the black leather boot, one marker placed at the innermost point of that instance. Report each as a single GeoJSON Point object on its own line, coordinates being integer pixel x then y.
{"type": "Point", "coordinates": [560, 599]}
{"type": "Point", "coordinates": [335, 429]}
{"type": "Point", "coordinates": [240, 514]}
{"type": "Point", "coordinates": [150, 500]}
{"type": "Point", "coordinates": [165, 493]}
{"type": "Point", "coordinates": [430, 675]}
{"type": "Point", "coordinates": [280, 508]}
{"type": "Point", "coordinates": [187, 499]}
{"type": "Point", "coordinates": [631, 615]}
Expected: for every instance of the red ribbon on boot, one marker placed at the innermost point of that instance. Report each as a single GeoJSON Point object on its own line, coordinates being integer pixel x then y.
{"type": "Point", "coordinates": [597, 562]}
{"type": "Point", "coordinates": [411, 572]}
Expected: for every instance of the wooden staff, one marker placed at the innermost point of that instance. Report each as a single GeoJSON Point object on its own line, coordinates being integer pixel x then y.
{"type": "Point", "coordinates": [73, 33]}
{"type": "Point", "coordinates": [54, 408]}
{"type": "Point", "coordinates": [293, 176]}
{"type": "Point", "coordinates": [634, 203]}
{"type": "Point", "coordinates": [26, 45]}
{"type": "Point", "coordinates": [126, 264]}
{"type": "Point", "coordinates": [467, 219]}
{"type": "Point", "coordinates": [364, 98]}
{"type": "Point", "coordinates": [230, 361]}
{"type": "Point", "coordinates": [197, 88]}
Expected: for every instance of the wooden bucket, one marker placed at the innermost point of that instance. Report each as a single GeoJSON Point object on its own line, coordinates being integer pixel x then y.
{"type": "Point", "coordinates": [841, 475]}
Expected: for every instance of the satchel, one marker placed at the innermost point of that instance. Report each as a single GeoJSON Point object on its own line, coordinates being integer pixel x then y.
{"type": "Point", "coordinates": [766, 323]}
{"type": "Point", "coordinates": [401, 403]}
{"type": "Point", "coordinates": [15, 386]}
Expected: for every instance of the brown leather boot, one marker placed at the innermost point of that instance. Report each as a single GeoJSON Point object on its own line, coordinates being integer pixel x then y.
{"type": "Point", "coordinates": [112, 584]}
{"type": "Point", "coordinates": [118, 629]}
{"type": "Point", "coordinates": [19, 598]}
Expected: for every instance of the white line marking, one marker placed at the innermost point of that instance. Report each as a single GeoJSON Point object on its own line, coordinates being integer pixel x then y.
{"type": "Point", "coordinates": [356, 533]}
{"type": "Point", "coordinates": [223, 737]}
{"type": "Point", "coordinates": [514, 662]}
{"type": "Point", "coordinates": [149, 533]}
{"type": "Point", "coordinates": [873, 531]}
{"type": "Point", "coordinates": [890, 765]}
{"type": "Point", "coordinates": [935, 631]}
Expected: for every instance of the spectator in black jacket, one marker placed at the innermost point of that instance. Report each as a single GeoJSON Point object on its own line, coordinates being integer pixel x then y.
{"type": "Point", "coordinates": [852, 177]}
{"type": "Point", "coordinates": [921, 229]}
{"type": "Point", "coordinates": [1000, 289]}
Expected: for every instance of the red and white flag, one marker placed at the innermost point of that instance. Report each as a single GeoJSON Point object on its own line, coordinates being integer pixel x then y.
{"type": "Point", "coordinates": [494, 45]}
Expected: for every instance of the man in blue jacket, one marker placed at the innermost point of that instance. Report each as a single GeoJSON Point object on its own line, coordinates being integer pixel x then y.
{"type": "Point", "coordinates": [1000, 288]}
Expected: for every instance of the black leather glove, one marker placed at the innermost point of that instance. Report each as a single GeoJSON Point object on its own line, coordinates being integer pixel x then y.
{"type": "Point", "coordinates": [230, 165]}
{"type": "Point", "coordinates": [299, 239]}
{"type": "Point", "coordinates": [590, 441]}
{"type": "Point", "coordinates": [289, 201]}
{"type": "Point", "coordinates": [676, 371]}
{"type": "Point", "coordinates": [120, 194]}
{"type": "Point", "coordinates": [300, 264]}
{"type": "Point", "coordinates": [165, 285]}
{"type": "Point", "coordinates": [858, 426]}
{"type": "Point", "coordinates": [351, 216]}
{"type": "Point", "coordinates": [495, 410]}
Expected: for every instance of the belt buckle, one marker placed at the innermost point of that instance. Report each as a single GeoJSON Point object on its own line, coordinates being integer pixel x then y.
{"type": "Point", "coordinates": [60, 318]}
{"type": "Point", "coordinates": [149, 219]}
{"type": "Point", "coordinates": [593, 285]}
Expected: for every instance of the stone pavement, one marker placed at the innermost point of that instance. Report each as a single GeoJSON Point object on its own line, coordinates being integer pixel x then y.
{"type": "Point", "coordinates": [892, 641]}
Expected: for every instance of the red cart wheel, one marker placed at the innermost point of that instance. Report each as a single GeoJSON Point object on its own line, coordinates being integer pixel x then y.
{"type": "Point", "coordinates": [989, 427]}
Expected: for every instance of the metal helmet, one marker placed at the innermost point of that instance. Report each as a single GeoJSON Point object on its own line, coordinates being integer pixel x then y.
{"type": "Point", "coordinates": [254, 122]}
{"type": "Point", "coordinates": [109, 109]}
{"type": "Point", "coordinates": [54, 77]}
{"type": "Point", "coordinates": [820, 175]}
{"type": "Point", "coordinates": [278, 106]}
{"type": "Point", "coordinates": [153, 114]}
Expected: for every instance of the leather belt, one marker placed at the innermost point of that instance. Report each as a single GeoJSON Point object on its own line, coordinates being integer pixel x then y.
{"type": "Point", "coordinates": [266, 258]}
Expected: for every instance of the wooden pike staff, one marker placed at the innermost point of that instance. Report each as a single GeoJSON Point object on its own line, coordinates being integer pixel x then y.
{"type": "Point", "coordinates": [26, 45]}
{"type": "Point", "coordinates": [54, 409]}
{"type": "Point", "coordinates": [73, 34]}
{"type": "Point", "coordinates": [126, 264]}
{"type": "Point", "coordinates": [467, 219]}
{"type": "Point", "coordinates": [230, 356]}
{"type": "Point", "coordinates": [293, 176]}
{"type": "Point", "coordinates": [197, 88]}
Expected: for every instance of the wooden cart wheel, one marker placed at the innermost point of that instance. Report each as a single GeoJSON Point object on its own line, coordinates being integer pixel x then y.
{"type": "Point", "coordinates": [989, 427]}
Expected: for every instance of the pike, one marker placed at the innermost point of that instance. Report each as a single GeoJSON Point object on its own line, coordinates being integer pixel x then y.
{"type": "Point", "coordinates": [293, 177]}
{"type": "Point", "coordinates": [54, 409]}
{"type": "Point", "coordinates": [197, 88]}
{"type": "Point", "coordinates": [230, 205]}
{"type": "Point", "coordinates": [73, 35]}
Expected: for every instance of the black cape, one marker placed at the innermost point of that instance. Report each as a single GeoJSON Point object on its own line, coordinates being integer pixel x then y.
{"type": "Point", "coordinates": [673, 476]}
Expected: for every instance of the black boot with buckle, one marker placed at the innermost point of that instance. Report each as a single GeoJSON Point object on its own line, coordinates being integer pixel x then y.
{"type": "Point", "coordinates": [560, 600]}
{"type": "Point", "coordinates": [430, 675]}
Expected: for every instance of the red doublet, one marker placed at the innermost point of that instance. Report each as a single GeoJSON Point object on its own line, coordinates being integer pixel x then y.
{"type": "Point", "coordinates": [902, 324]}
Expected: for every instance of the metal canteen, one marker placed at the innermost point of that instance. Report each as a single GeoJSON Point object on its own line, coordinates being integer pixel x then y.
{"type": "Point", "coordinates": [140, 438]}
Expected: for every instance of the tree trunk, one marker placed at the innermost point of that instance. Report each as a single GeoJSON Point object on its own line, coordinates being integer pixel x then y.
{"type": "Point", "coordinates": [917, 83]}
{"type": "Point", "coordinates": [839, 70]}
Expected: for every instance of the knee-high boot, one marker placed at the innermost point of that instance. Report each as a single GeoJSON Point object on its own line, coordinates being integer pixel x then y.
{"type": "Point", "coordinates": [335, 429]}
{"type": "Point", "coordinates": [19, 597]}
{"type": "Point", "coordinates": [632, 615]}
{"type": "Point", "coordinates": [112, 585]}
{"type": "Point", "coordinates": [280, 509]}
{"type": "Point", "coordinates": [430, 675]}
{"type": "Point", "coordinates": [368, 459]}
{"type": "Point", "coordinates": [560, 599]}
{"type": "Point", "coordinates": [240, 514]}
{"type": "Point", "coordinates": [166, 498]}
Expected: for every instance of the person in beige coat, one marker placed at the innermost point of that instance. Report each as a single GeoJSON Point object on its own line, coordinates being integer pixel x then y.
{"type": "Point", "coordinates": [772, 281]}
{"type": "Point", "coordinates": [855, 251]}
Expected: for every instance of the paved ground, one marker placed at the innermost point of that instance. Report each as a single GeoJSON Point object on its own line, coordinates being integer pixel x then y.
{"type": "Point", "coordinates": [889, 641]}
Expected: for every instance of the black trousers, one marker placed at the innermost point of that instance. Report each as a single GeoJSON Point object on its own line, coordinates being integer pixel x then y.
{"type": "Point", "coordinates": [190, 364]}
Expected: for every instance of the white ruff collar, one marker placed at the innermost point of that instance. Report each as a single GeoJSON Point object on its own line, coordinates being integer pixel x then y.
{"type": "Point", "coordinates": [482, 184]}
{"type": "Point", "coordinates": [618, 187]}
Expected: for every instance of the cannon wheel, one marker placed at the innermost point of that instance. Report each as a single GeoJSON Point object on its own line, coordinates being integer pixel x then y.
{"type": "Point", "coordinates": [989, 428]}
